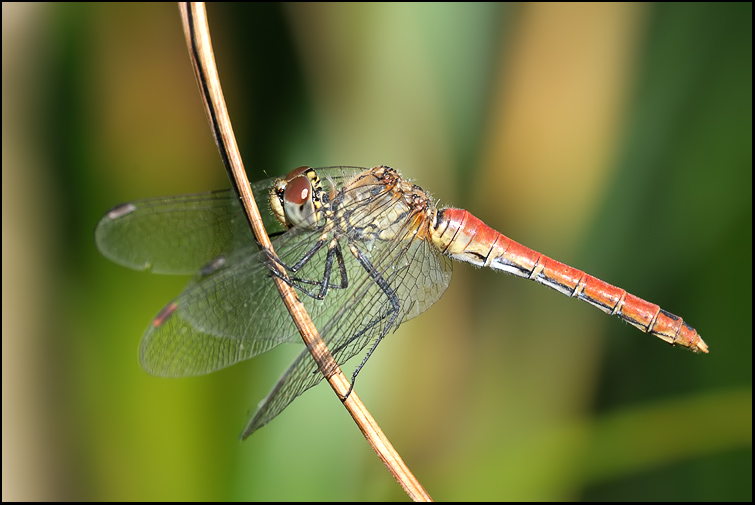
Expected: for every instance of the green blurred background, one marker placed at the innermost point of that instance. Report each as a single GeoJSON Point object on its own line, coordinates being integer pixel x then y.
{"type": "Point", "coordinates": [614, 137]}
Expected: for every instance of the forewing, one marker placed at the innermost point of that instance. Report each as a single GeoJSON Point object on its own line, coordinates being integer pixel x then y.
{"type": "Point", "coordinates": [179, 234]}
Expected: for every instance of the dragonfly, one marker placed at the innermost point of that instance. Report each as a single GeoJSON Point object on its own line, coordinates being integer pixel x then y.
{"type": "Point", "coordinates": [365, 249]}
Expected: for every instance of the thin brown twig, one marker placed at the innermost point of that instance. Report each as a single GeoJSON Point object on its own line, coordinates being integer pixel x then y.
{"type": "Point", "coordinates": [197, 34]}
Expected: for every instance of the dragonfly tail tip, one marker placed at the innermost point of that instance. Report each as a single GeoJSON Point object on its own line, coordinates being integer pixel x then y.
{"type": "Point", "coordinates": [702, 346]}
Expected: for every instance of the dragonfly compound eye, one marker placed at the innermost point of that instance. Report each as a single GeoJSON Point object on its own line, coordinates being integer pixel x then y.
{"type": "Point", "coordinates": [298, 202]}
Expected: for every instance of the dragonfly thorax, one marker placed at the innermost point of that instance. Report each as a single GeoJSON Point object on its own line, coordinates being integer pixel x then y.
{"type": "Point", "coordinates": [379, 205]}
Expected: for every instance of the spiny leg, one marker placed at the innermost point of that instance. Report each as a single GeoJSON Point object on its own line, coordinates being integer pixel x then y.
{"type": "Point", "coordinates": [334, 252]}
{"type": "Point", "coordinates": [391, 313]}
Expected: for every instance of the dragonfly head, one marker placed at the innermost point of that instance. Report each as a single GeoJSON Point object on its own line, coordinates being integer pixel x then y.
{"type": "Point", "coordinates": [297, 199]}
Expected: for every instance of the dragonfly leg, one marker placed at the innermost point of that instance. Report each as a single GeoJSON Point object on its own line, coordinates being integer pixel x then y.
{"type": "Point", "coordinates": [392, 314]}
{"type": "Point", "coordinates": [303, 261]}
{"type": "Point", "coordinates": [334, 253]}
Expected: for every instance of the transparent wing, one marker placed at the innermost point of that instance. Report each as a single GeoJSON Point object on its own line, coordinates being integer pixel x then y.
{"type": "Point", "coordinates": [176, 235]}
{"type": "Point", "coordinates": [232, 314]}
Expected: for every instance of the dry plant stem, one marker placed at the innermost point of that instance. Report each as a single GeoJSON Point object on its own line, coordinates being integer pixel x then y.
{"type": "Point", "coordinates": [197, 33]}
